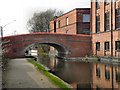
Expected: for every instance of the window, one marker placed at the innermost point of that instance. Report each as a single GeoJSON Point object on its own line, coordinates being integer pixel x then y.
{"type": "Point", "coordinates": [97, 24]}
{"type": "Point", "coordinates": [98, 88]}
{"type": "Point", "coordinates": [54, 26]}
{"type": "Point", "coordinates": [97, 72]}
{"type": "Point", "coordinates": [117, 76]}
{"type": "Point", "coordinates": [59, 23]}
{"type": "Point", "coordinates": [107, 2]}
{"type": "Point", "coordinates": [106, 46]}
{"type": "Point", "coordinates": [86, 31]}
{"type": "Point", "coordinates": [66, 31]}
{"type": "Point", "coordinates": [67, 21]}
{"type": "Point", "coordinates": [97, 4]}
{"type": "Point", "coordinates": [86, 17]}
{"type": "Point", "coordinates": [98, 46]}
{"type": "Point", "coordinates": [117, 46]}
{"type": "Point", "coordinates": [118, 18]}
{"type": "Point", "coordinates": [107, 21]}
{"type": "Point", "coordinates": [107, 74]}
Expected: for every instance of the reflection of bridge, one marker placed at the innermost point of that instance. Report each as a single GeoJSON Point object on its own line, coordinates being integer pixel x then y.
{"type": "Point", "coordinates": [68, 45]}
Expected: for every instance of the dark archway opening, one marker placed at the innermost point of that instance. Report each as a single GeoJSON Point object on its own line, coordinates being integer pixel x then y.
{"type": "Point", "coordinates": [62, 51]}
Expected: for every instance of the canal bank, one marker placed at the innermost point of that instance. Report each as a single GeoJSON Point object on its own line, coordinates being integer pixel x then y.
{"type": "Point", "coordinates": [94, 59]}
{"type": "Point", "coordinates": [56, 80]}
{"type": "Point", "coordinates": [21, 74]}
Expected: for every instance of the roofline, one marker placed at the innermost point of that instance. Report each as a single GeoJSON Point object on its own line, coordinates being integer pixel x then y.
{"type": "Point", "coordinates": [71, 11]}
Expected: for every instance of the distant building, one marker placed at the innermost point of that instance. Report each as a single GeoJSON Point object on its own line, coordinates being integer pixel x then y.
{"type": "Point", "coordinates": [101, 27]}
{"type": "Point", "coordinates": [76, 21]}
{"type": "Point", "coordinates": [33, 52]}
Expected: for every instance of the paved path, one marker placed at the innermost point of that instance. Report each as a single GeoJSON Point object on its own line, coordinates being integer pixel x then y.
{"type": "Point", "coordinates": [22, 74]}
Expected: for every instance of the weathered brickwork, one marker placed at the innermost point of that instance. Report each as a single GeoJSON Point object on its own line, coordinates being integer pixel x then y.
{"type": "Point", "coordinates": [104, 36]}
{"type": "Point", "coordinates": [75, 22]}
{"type": "Point", "coordinates": [68, 45]}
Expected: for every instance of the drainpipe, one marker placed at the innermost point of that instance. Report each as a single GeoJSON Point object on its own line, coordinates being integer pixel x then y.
{"type": "Point", "coordinates": [112, 42]}
{"type": "Point", "coordinates": [111, 28]}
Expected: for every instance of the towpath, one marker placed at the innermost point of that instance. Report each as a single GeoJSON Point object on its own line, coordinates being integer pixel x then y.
{"type": "Point", "coordinates": [22, 74]}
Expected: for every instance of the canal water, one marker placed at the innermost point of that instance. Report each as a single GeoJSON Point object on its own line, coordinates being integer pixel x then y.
{"type": "Point", "coordinates": [82, 74]}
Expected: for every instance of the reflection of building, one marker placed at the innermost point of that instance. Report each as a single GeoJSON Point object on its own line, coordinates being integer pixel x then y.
{"type": "Point", "coordinates": [101, 27]}
{"type": "Point", "coordinates": [77, 74]}
{"type": "Point", "coordinates": [76, 21]}
{"type": "Point", "coordinates": [53, 63]}
{"type": "Point", "coordinates": [81, 75]}
{"type": "Point", "coordinates": [104, 78]}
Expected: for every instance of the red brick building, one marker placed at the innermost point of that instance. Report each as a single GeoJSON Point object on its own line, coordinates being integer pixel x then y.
{"type": "Point", "coordinates": [102, 19]}
{"type": "Point", "coordinates": [76, 21]}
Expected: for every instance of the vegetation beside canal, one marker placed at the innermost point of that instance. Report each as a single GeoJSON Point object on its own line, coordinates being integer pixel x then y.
{"type": "Point", "coordinates": [4, 68]}
{"type": "Point", "coordinates": [4, 62]}
{"type": "Point", "coordinates": [55, 80]}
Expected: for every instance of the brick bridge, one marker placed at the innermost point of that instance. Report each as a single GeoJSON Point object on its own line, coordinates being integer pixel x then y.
{"type": "Point", "coordinates": [68, 45]}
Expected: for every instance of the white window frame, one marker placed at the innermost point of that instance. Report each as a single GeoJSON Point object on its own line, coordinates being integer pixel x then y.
{"type": "Point", "coordinates": [67, 21]}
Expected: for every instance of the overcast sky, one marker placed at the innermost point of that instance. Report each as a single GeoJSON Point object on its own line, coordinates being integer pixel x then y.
{"type": "Point", "coordinates": [22, 11]}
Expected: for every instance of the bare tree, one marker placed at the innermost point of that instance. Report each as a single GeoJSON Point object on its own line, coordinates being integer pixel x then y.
{"type": "Point", "coordinates": [40, 21]}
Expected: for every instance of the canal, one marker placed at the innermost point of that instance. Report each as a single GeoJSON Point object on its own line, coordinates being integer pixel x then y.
{"type": "Point", "coordinates": [83, 74]}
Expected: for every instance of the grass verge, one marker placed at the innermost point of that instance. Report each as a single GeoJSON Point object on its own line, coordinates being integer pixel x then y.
{"type": "Point", "coordinates": [54, 79]}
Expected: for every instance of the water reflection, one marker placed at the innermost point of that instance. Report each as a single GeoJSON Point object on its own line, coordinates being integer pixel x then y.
{"type": "Point", "coordinates": [106, 76]}
{"type": "Point", "coordinates": [84, 74]}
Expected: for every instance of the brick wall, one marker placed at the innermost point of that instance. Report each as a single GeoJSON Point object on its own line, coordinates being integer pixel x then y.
{"type": "Point", "coordinates": [68, 45]}
{"type": "Point", "coordinates": [75, 22]}
{"type": "Point", "coordinates": [104, 36]}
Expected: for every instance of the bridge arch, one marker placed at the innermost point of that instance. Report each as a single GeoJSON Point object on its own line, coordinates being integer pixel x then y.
{"type": "Point", "coordinates": [62, 50]}
{"type": "Point", "coordinates": [68, 45]}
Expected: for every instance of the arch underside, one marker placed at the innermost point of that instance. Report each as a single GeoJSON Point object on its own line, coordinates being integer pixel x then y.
{"type": "Point", "coordinates": [62, 50]}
